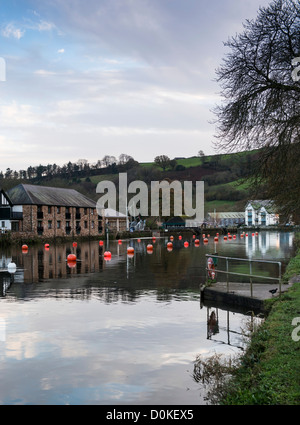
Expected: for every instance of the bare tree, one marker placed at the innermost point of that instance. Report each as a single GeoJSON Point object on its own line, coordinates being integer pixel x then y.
{"type": "Point", "coordinates": [261, 107]}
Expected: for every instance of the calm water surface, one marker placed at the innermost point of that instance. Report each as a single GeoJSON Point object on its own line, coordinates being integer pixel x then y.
{"type": "Point", "coordinates": [125, 331]}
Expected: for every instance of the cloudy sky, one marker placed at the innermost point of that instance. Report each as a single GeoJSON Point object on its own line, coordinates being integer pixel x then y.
{"type": "Point", "coordinates": [91, 78]}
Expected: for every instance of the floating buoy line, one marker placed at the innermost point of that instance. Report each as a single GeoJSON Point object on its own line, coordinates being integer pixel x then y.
{"type": "Point", "coordinates": [72, 258]}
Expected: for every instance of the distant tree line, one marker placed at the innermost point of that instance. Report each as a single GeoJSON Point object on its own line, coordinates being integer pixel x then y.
{"type": "Point", "coordinates": [81, 168]}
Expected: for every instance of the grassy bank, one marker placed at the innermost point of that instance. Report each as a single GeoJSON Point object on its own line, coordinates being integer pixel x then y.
{"type": "Point", "coordinates": [269, 371]}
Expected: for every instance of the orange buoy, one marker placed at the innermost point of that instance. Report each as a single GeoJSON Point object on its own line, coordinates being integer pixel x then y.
{"type": "Point", "coordinates": [186, 244]}
{"type": "Point", "coordinates": [119, 242]}
{"type": "Point", "coordinates": [100, 243]}
{"type": "Point", "coordinates": [246, 234]}
{"type": "Point", "coordinates": [149, 247]}
{"type": "Point", "coordinates": [225, 238]}
{"type": "Point", "coordinates": [203, 236]}
{"type": "Point", "coordinates": [169, 245]}
{"type": "Point", "coordinates": [24, 248]}
{"type": "Point", "coordinates": [130, 250]}
{"type": "Point", "coordinates": [216, 239]}
{"type": "Point", "coordinates": [253, 234]}
{"type": "Point", "coordinates": [107, 255]}
{"type": "Point", "coordinates": [197, 241]}
{"type": "Point", "coordinates": [139, 240]}
{"type": "Point", "coordinates": [234, 236]}
{"type": "Point", "coordinates": [205, 240]}
{"type": "Point", "coordinates": [47, 245]}
{"type": "Point", "coordinates": [229, 237]}
{"type": "Point", "coordinates": [180, 237]}
{"type": "Point", "coordinates": [194, 236]}
{"type": "Point", "coordinates": [171, 238]}
{"type": "Point", "coordinates": [71, 257]}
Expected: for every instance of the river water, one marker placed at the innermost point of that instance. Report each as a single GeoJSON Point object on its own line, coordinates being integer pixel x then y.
{"type": "Point", "coordinates": [124, 331]}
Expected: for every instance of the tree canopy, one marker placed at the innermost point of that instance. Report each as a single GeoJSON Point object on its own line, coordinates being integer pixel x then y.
{"type": "Point", "coordinates": [261, 96]}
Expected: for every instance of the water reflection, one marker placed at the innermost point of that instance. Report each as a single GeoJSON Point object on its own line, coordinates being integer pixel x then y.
{"type": "Point", "coordinates": [124, 331]}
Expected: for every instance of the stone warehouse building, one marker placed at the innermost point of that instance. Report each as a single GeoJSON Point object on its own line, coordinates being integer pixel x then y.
{"type": "Point", "coordinates": [30, 210]}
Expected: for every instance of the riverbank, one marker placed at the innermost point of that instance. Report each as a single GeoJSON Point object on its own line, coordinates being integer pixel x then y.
{"type": "Point", "coordinates": [269, 370]}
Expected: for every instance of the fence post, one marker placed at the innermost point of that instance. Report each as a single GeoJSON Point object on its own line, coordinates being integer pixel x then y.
{"type": "Point", "coordinates": [227, 282]}
{"type": "Point", "coordinates": [279, 271]}
{"type": "Point", "coordinates": [251, 286]}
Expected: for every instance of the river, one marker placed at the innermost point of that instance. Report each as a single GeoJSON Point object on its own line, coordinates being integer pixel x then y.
{"type": "Point", "coordinates": [123, 331]}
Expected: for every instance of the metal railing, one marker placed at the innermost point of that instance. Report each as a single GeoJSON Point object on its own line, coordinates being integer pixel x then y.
{"type": "Point", "coordinates": [249, 275]}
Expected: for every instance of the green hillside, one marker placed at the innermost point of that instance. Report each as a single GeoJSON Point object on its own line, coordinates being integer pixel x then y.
{"type": "Point", "coordinates": [226, 187]}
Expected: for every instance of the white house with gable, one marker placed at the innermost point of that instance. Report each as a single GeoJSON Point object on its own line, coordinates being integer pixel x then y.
{"type": "Point", "coordinates": [261, 213]}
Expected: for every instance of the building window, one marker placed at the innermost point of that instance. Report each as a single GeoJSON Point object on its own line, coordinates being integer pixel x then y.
{"type": "Point", "coordinates": [58, 210]}
{"type": "Point", "coordinates": [85, 224]}
{"type": "Point", "coordinates": [49, 210]}
{"type": "Point", "coordinates": [58, 224]}
{"type": "Point", "coordinates": [49, 224]}
{"type": "Point", "coordinates": [3, 224]}
{"type": "Point", "coordinates": [85, 211]}
{"type": "Point", "coordinates": [93, 225]}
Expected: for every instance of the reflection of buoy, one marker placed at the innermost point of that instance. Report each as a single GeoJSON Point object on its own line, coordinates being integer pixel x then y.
{"type": "Point", "coordinates": [71, 264]}
{"type": "Point", "coordinates": [130, 250]}
{"type": "Point", "coordinates": [186, 244]}
{"type": "Point", "coordinates": [74, 244]}
{"type": "Point", "coordinates": [71, 257]}
{"type": "Point", "coordinates": [100, 243]}
{"type": "Point", "coordinates": [170, 249]}
{"type": "Point", "coordinates": [12, 268]}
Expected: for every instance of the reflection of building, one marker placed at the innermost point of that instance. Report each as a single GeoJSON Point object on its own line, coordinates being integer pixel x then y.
{"type": "Point", "coordinates": [226, 218]}
{"type": "Point", "coordinates": [40, 263]}
{"type": "Point", "coordinates": [261, 213]}
{"type": "Point", "coordinates": [30, 210]}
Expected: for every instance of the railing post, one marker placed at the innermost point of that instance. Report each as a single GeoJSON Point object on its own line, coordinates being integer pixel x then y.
{"type": "Point", "coordinates": [227, 281]}
{"type": "Point", "coordinates": [251, 286]}
{"type": "Point", "coordinates": [279, 264]}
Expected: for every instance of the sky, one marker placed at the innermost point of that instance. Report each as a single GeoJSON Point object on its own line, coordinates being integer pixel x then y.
{"type": "Point", "coordinates": [85, 79]}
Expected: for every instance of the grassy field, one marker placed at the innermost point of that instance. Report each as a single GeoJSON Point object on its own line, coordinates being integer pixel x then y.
{"type": "Point", "coordinates": [269, 371]}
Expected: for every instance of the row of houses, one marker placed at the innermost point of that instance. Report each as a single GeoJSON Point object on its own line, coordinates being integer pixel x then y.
{"type": "Point", "coordinates": [31, 210]}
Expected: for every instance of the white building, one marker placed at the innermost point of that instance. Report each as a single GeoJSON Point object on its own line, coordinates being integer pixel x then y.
{"type": "Point", "coordinates": [226, 218]}
{"type": "Point", "coordinates": [261, 213]}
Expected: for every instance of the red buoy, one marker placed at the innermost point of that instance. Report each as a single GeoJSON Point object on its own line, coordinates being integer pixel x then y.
{"type": "Point", "coordinates": [169, 245]}
{"type": "Point", "coordinates": [71, 257]}
{"type": "Point", "coordinates": [205, 240]}
{"type": "Point", "coordinates": [74, 244]}
{"type": "Point", "coordinates": [186, 244]}
{"type": "Point", "coordinates": [130, 250]}
{"type": "Point", "coordinates": [100, 243]}
{"type": "Point", "coordinates": [47, 245]}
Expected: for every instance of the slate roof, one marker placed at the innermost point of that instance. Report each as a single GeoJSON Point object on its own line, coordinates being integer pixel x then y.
{"type": "Point", "coordinates": [26, 194]}
{"type": "Point", "coordinates": [266, 203]}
